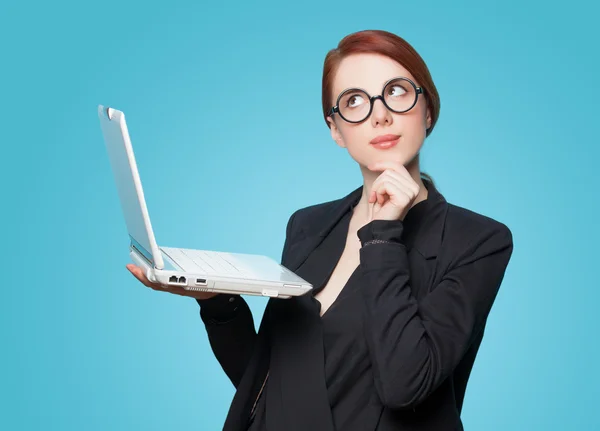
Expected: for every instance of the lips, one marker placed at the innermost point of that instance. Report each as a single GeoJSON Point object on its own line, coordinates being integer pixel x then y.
{"type": "Point", "coordinates": [384, 138]}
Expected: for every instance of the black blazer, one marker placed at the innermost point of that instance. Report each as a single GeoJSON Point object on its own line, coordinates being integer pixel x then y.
{"type": "Point", "coordinates": [425, 300]}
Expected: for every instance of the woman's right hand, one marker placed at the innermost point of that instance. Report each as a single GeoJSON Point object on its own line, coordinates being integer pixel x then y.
{"type": "Point", "coordinates": [177, 290]}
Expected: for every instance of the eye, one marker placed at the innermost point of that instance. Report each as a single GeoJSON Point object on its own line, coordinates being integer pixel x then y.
{"type": "Point", "coordinates": [355, 100]}
{"type": "Point", "coordinates": [397, 90]}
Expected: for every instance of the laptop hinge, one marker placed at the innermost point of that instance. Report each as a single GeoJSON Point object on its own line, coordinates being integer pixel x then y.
{"type": "Point", "coordinates": [141, 251]}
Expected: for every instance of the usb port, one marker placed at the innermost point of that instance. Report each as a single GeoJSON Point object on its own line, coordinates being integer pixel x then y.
{"type": "Point", "coordinates": [201, 281]}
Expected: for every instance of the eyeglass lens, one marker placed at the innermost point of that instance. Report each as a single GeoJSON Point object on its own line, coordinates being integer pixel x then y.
{"type": "Point", "coordinates": [399, 94]}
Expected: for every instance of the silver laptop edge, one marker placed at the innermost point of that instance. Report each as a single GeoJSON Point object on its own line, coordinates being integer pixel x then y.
{"type": "Point", "coordinates": [144, 249]}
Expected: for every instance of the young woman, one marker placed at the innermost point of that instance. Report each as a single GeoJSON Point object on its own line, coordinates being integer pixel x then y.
{"type": "Point", "coordinates": [404, 281]}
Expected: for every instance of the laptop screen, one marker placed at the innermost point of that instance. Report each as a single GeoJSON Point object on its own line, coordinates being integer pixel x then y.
{"type": "Point", "coordinates": [129, 185]}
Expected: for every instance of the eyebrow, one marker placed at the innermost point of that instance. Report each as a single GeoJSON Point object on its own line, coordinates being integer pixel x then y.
{"type": "Point", "coordinates": [358, 87]}
{"type": "Point", "coordinates": [387, 81]}
{"type": "Point", "coordinates": [355, 87]}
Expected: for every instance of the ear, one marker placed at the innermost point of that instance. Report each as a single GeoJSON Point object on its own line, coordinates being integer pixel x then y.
{"type": "Point", "coordinates": [335, 133]}
{"type": "Point", "coordinates": [428, 119]}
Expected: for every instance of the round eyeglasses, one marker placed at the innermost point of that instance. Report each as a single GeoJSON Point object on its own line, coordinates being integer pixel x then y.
{"type": "Point", "coordinates": [355, 105]}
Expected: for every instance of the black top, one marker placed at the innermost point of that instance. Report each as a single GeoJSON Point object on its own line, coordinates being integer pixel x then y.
{"type": "Point", "coordinates": [346, 361]}
{"type": "Point", "coordinates": [395, 349]}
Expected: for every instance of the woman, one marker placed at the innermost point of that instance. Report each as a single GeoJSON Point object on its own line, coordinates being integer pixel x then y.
{"type": "Point", "coordinates": [404, 281]}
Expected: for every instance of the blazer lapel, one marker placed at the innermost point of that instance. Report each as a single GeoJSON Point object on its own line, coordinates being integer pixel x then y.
{"type": "Point", "coordinates": [297, 396]}
{"type": "Point", "coordinates": [317, 226]}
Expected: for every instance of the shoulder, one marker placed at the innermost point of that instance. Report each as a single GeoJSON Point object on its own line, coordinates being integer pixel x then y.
{"type": "Point", "coordinates": [471, 235]}
{"type": "Point", "coordinates": [303, 219]}
{"type": "Point", "coordinates": [302, 223]}
{"type": "Point", "coordinates": [466, 221]}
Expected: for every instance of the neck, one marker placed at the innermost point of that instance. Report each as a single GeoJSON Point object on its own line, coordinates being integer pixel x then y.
{"type": "Point", "coordinates": [413, 168]}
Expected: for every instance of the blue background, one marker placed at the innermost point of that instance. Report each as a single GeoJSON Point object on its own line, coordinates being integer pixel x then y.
{"type": "Point", "coordinates": [223, 106]}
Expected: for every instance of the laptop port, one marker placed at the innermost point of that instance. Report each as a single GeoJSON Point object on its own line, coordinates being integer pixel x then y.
{"type": "Point", "coordinates": [182, 279]}
{"type": "Point", "coordinates": [201, 281]}
{"type": "Point", "coordinates": [172, 279]}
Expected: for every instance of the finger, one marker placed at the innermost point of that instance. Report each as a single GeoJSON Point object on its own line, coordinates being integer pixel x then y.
{"type": "Point", "coordinates": [397, 195]}
{"type": "Point", "coordinates": [376, 191]}
{"type": "Point", "coordinates": [393, 165]}
{"type": "Point", "coordinates": [399, 171]}
{"type": "Point", "coordinates": [382, 192]}
{"type": "Point", "coordinates": [139, 274]}
{"type": "Point", "coordinates": [393, 176]}
{"type": "Point", "coordinates": [378, 205]}
{"type": "Point", "coordinates": [382, 195]}
{"type": "Point", "coordinates": [390, 177]}
{"type": "Point", "coordinates": [373, 192]}
{"type": "Point", "coordinates": [136, 272]}
{"type": "Point", "coordinates": [177, 290]}
{"type": "Point", "coordinates": [405, 183]}
{"type": "Point", "coordinates": [372, 195]}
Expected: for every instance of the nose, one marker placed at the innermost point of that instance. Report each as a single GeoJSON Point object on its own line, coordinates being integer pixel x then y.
{"type": "Point", "coordinates": [380, 115]}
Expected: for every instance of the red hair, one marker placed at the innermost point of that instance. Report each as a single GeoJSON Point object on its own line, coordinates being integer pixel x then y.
{"type": "Point", "coordinates": [389, 45]}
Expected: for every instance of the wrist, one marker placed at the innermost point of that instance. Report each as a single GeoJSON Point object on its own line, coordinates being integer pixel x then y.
{"type": "Point", "coordinates": [219, 308]}
{"type": "Point", "coordinates": [381, 231]}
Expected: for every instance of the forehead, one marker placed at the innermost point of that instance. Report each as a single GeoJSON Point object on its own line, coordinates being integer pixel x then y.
{"type": "Point", "coordinates": [367, 71]}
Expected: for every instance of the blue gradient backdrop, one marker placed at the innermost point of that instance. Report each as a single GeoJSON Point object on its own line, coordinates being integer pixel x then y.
{"type": "Point", "coordinates": [223, 105]}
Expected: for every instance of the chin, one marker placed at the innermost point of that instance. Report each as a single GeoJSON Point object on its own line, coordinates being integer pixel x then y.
{"type": "Point", "coordinates": [366, 156]}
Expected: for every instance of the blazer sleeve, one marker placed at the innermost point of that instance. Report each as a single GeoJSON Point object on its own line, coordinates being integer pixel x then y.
{"type": "Point", "coordinates": [414, 346]}
{"type": "Point", "coordinates": [230, 327]}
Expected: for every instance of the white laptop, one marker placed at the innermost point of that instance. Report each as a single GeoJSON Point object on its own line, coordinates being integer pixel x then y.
{"type": "Point", "coordinates": [200, 270]}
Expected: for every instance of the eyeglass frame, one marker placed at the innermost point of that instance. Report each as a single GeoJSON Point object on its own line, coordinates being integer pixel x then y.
{"type": "Point", "coordinates": [418, 90]}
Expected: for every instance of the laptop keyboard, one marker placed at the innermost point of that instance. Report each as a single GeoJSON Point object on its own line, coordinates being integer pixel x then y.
{"type": "Point", "coordinates": [206, 262]}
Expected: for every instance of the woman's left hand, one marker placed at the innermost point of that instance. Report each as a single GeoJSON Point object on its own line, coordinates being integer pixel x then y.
{"type": "Point", "coordinates": [392, 193]}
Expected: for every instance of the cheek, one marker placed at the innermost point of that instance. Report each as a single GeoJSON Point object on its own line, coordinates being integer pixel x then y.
{"type": "Point", "coordinates": [413, 126]}
{"type": "Point", "coordinates": [413, 134]}
{"type": "Point", "coordinates": [355, 136]}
